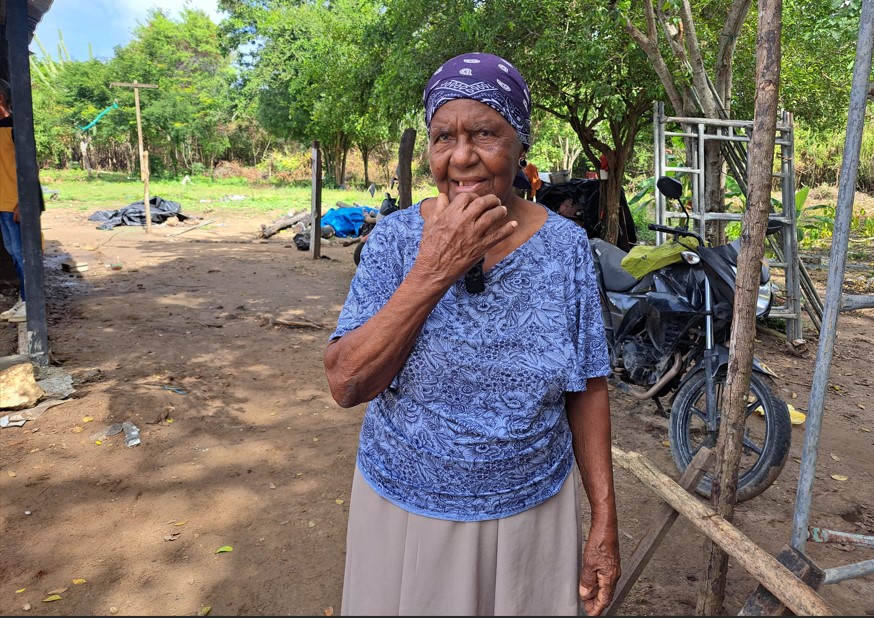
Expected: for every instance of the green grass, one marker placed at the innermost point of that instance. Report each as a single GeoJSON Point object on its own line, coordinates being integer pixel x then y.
{"type": "Point", "coordinates": [111, 191]}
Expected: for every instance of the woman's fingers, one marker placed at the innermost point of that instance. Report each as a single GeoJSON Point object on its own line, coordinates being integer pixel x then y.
{"type": "Point", "coordinates": [470, 225]}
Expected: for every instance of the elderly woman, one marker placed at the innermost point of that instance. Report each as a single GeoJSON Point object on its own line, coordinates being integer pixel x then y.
{"type": "Point", "coordinates": [473, 327]}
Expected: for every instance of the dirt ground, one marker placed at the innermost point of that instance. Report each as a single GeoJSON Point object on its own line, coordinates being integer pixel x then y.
{"type": "Point", "coordinates": [210, 342]}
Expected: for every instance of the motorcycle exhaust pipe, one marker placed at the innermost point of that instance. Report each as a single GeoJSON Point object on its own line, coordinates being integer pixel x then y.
{"type": "Point", "coordinates": [640, 394]}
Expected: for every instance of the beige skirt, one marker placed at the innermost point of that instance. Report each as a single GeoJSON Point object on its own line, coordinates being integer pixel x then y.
{"type": "Point", "coordinates": [401, 564]}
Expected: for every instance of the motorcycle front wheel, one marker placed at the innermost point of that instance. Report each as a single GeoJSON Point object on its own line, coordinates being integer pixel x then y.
{"type": "Point", "coordinates": [766, 440]}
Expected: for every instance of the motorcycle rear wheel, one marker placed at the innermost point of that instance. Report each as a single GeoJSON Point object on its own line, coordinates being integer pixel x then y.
{"type": "Point", "coordinates": [766, 436]}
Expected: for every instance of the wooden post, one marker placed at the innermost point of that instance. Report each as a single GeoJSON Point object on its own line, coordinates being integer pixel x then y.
{"type": "Point", "coordinates": [800, 598]}
{"type": "Point", "coordinates": [144, 158]}
{"type": "Point", "coordinates": [29, 191]}
{"type": "Point", "coordinates": [729, 446]}
{"type": "Point", "coordinates": [145, 174]}
{"type": "Point", "coordinates": [665, 517]}
{"type": "Point", "coordinates": [316, 207]}
{"type": "Point", "coordinates": [405, 168]}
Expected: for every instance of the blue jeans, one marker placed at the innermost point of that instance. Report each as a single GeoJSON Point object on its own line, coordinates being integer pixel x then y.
{"type": "Point", "coordinates": [11, 230]}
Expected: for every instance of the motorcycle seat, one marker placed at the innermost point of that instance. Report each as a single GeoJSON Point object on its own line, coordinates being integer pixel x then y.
{"type": "Point", "coordinates": [609, 256]}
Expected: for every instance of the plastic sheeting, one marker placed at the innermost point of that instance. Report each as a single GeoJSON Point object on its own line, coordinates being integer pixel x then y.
{"type": "Point", "coordinates": [135, 214]}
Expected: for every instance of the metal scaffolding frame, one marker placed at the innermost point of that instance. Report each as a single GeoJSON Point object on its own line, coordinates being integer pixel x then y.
{"type": "Point", "coordinates": [734, 135]}
{"type": "Point", "coordinates": [824, 316]}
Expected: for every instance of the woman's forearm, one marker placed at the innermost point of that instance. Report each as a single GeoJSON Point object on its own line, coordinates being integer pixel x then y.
{"type": "Point", "coordinates": [589, 418]}
{"type": "Point", "coordinates": [363, 362]}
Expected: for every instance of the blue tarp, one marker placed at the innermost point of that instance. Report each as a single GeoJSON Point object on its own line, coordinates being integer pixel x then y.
{"type": "Point", "coordinates": [347, 221]}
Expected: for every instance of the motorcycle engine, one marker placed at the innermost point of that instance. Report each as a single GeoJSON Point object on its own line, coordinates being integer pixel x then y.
{"type": "Point", "coordinates": [641, 361]}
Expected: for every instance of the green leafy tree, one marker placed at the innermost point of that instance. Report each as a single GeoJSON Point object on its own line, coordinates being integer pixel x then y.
{"type": "Point", "coordinates": [579, 65]}
{"type": "Point", "coordinates": [186, 119]}
{"type": "Point", "coordinates": [313, 70]}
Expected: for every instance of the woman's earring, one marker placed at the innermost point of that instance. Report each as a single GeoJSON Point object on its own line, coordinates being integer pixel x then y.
{"type": "Point", "coordinates": [523, 163]}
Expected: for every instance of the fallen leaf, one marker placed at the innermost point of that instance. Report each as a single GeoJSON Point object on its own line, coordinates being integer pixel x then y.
{"type": "Point", "coordinates": [839, 477]}
{"type": "Point", "coordinates": [835, 457]}
{"type": "Point", "coordinates": [339, 501]}
{"type": "Point", "coordinates": [76, 429]}
{"type": "Point", "coordinates": [180, 523]}
{"type": "Point", "coordinates": [311, 524]}
{"type": "Point", "coordinates": [861, 407]}
{"type": "Point", "coordinates": [224, 549]}
{"type": "Point", "coordinates": [316, 439]}
{"type": "Point", "coordinates": [328, 611]}
{"type": "Point", "coordinates": [205, 611]}
{"type": "Point", "coordinates": [87, 419]}
{"type": "Point", "coordinates": [795, 417]}
{"type": "Point", "coordinates": [20, 590]}
{"type": "Point", "coordinates": [11, 473]}
{"type": "Point", "coordinates": [54, 597]}
{"type": "Point", "coordinates": [865, 430]}
{"type": "Point", "coordinates": [78, 581]}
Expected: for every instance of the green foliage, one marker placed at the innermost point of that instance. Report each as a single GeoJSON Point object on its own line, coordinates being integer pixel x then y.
{"type": "Point", "coordinates": [819, 156]}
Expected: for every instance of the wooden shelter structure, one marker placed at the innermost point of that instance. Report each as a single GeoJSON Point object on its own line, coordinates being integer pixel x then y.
{"type": "Point", "coordinates": [18, 21]}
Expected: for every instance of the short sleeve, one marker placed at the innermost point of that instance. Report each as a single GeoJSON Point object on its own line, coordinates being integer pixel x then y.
{"type": "Point", "coordinates": [592, 359]}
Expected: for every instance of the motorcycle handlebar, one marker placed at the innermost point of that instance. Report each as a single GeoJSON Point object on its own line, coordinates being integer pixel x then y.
{"type": "Point", "coordinates": [655, 227]}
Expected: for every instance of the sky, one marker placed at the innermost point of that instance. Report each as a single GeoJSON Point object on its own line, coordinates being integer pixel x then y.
{"type": "Point", "coordinates": [102, 23]}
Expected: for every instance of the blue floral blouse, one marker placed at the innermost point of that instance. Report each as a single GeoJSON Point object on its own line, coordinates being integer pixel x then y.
{"type": "Point", "coordinates": [474, 425]}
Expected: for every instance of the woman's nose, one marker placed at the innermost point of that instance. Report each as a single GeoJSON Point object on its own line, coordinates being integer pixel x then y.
{"type": "Point", "coordinates": [464, 153]}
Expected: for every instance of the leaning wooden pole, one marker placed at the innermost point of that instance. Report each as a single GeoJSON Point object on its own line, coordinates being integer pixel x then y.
{"type": "Point", "coordinates": [767, 570]}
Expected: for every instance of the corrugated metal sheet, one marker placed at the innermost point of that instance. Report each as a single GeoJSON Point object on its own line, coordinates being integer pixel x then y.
{"type": "Point", "coordinates": [35, 10]}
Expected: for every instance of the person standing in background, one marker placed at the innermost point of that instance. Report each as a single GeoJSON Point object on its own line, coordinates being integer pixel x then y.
{"type": "Point", "coordinates": [10, 219]}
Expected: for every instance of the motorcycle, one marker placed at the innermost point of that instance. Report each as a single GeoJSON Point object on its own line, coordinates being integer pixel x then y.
{"type": "Point", "coordinates": [668, 327]}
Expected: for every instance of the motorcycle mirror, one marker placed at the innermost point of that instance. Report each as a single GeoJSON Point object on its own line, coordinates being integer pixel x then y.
{"type": "Point", "coordinates": [372, 188]}
{"type": "Point", "coordinates": [773, 227]}
{"type": "Point", "coordinates": [673, 189]}
{"type": "Point", "coordinates": [670, 187]}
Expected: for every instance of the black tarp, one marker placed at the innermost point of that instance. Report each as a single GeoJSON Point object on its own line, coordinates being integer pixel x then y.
{"type": "Point", "coordinates": [135, 214]}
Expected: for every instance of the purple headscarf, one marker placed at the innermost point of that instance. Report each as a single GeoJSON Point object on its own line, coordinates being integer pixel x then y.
{"type": "Point", "coordinates": [485, 78]}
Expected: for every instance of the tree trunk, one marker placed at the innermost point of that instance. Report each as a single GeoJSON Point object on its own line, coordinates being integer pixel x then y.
{"type": "Point", "coordinates": [714, 183]}
{"type": "Point", "coordinates": [365, 157]}
{"type": "Point", "coordinates": [754, 223]}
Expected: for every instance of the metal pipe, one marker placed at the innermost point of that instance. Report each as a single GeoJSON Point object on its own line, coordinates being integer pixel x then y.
{"type": "Point", "coordinates": [822, 535]}
{"type": "Point", "coordinates": [840, 240]}
{"type": "Point", "coordinates": [628, 389]}
{"type": "Point", "coordinates": [851, 571]}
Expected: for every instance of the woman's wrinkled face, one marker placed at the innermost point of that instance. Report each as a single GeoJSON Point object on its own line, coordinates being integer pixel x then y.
{"type": "Point", "coordinates": [473, 149]}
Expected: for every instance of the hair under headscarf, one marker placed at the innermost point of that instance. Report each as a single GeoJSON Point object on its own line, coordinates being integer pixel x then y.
{"type": "Point", "coordinates": [485, 78]}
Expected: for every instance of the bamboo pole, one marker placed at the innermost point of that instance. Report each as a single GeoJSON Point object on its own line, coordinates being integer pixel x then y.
{"type": "Point", "coordinates": [767, 570]}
